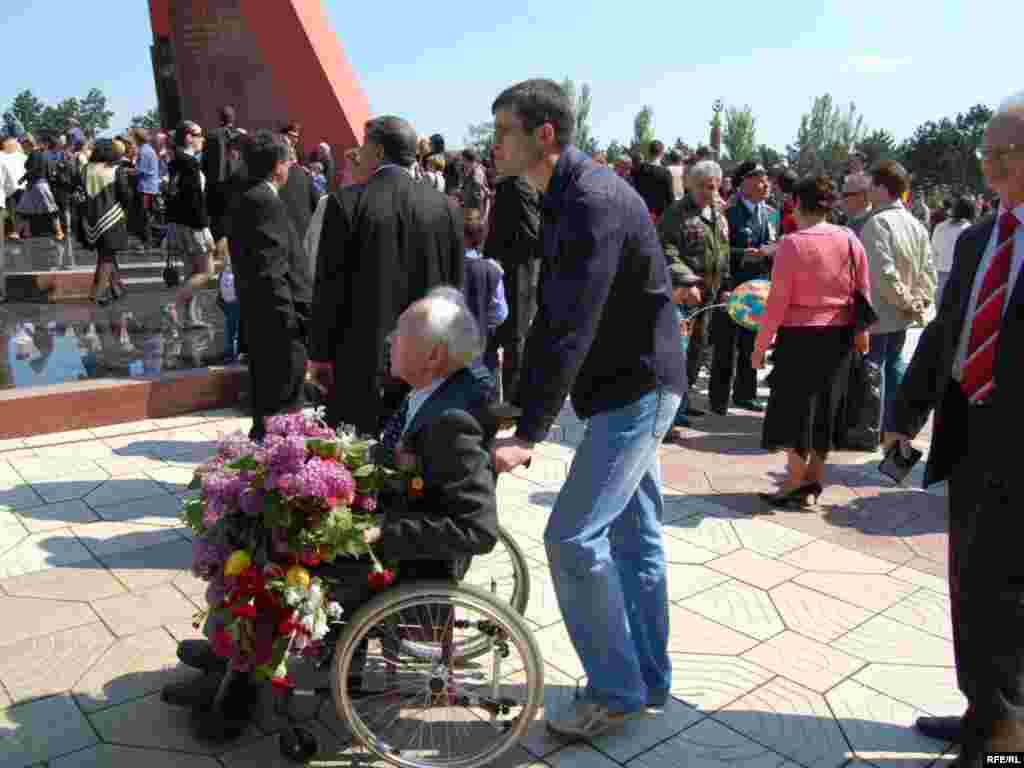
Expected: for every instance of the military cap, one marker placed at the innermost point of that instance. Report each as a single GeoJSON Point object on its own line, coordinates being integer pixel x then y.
{"type": "Point", "coordinates": [749, 168]}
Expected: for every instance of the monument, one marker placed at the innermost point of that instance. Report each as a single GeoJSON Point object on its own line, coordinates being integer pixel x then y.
{"type": "Point", "coordinates": [275, 61]}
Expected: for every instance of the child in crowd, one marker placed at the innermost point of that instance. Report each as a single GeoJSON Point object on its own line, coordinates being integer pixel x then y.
{"type": "Point", "coordinates": [485, 287]}
{"type": "Point", "coordinates": [316, 173]}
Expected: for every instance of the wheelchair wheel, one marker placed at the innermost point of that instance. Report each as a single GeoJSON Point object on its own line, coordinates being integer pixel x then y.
{"type": "Point", "coordinates": [502, 573]}
{"type": "Point", "coordinates": [418, 712]}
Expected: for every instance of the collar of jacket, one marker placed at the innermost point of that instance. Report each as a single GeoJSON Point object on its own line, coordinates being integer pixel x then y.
{"type": "Point", "coordinates": [571, 164]}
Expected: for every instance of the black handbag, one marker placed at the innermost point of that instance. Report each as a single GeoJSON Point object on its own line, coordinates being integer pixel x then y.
{"type": "Point", "coordinates": [864, 315]}
{"type": "Point", "coordinates": [171, 277]}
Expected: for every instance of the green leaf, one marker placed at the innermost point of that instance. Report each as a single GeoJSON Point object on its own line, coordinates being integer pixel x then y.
{"type": "Point", "coordinates": [246, 462]}
{"type": "Point", "coordinates": [365, 471]}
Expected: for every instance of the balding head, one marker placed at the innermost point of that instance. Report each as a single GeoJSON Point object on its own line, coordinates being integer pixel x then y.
{"type": "Point", "coordinates": [1002, 151]}
{"type": "Point", "coordinates": [435, 337]}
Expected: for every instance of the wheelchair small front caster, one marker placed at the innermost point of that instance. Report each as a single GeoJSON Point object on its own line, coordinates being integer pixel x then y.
{"type": "Point", "coordinates": [298, 745]}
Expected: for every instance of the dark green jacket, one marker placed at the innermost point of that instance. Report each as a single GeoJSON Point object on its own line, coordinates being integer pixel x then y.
{"type": "Point", "coordinates": [688, 238]}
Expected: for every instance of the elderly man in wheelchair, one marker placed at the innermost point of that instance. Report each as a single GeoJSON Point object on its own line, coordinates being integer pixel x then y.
{"type": "Point", "coordinates": [419, 670]}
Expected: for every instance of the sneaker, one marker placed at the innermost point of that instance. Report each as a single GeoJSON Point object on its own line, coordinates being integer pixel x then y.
{"type": "Point", "coordinates": [589, 720]}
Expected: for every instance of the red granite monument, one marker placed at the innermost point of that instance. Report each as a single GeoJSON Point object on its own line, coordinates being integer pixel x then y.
{"type": "Point", "coordinates": [275, 61]}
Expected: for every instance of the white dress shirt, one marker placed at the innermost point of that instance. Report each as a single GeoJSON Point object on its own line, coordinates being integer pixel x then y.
{"type": "Point", "coordinates": [1015, 266]}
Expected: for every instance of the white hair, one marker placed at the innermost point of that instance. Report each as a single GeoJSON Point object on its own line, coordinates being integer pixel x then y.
{"type": "Point", "coordinates": [1013, 104]}
{"type": "Point", "coordinates": [448, 320]}
{"type": "Point", "coordinates": [706, 169]}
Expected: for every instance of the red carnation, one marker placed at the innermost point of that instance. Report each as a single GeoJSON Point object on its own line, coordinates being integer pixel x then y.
{"type": "Point", "coordinates": [385, 577]}
{"type": "Point", "coordinates": [282, 684]}
{"type": "Point", "coordinates": [251, 581]}
{"type": "Point", "coordinates": [311, 558]}
{"type": "Point", "coordinates": [273, 571]}
{"type": "Point", "coordinates": [331, 502]}
{"type": "Point", "coordinates": [287, 624]}
{"type": "Point", "coordinates": [244, 611]}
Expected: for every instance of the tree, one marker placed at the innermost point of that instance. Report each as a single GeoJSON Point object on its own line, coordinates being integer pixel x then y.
{"type": "Point", "coordinates": [614, 151]}
{"type": "Point", "coordinates": [739, 136]}
{"type": "Point", "coordinates": [581, 104]}
{"type": "Point", "coordinates": [877, 146]}
{"type": "Point", "coordinates": [28, 109]}
{"type": "Point", "coordinates": [54, 120]}
{"type": "Point", "coordinates": [825, 137]}
{"type": "Point", "coordinates": [94, 116]}
{"type": "Point", "coordinates": [480, 136]}
{"type": "Point", "coordinates": [767, 156]}
{"type": "Point", "coordinates": [150, 120]}
{"type": "Point", "coordinates": [944, 153]}
{"type": "Point", "coordinates": [682, 147]}
{"type": "Point", "coordinates": [643, 129]}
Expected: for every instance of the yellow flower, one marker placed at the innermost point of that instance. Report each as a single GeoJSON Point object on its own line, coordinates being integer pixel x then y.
{"type": "Point", "coordinates": [237, 563]}
{"type": "Point", "coordinates": [298, 577]}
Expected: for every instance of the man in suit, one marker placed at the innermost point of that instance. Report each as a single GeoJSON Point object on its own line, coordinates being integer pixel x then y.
{"type": "Point", "coordinates": [967, 369]}
{"type": "Point", "coordinates": [217, 168]}
{"type": "Point", "coordinates": [298, 194]}
{"type": "Point", "coordinates": [446, 423]}
{"type": "Point", "coordinates": [383, 245]}
{"type": "Point", "coordinates": [654, 181]}
{"type": "Point", "coordinates": [513, 243]}
{"type": "Point", "coordinates": [273, 283]}
{"type": "Point", "coordinates": [752, 236]}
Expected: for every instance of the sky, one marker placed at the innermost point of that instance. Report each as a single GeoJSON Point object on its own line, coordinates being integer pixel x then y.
{"type": "Point", "coordinates": [901, 63]}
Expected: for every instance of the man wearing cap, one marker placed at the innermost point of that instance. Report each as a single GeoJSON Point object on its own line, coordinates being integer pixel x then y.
{"type": "Point", "coordinates": [698, 255]}
{"type": "Point", "coordinates": [752, 235]}
{"type": "Point", "coordinates": [856, 201]}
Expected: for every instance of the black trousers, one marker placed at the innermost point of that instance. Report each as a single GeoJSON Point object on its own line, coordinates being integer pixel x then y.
{"type": "Point", "coordinates": [986, 574]}
{"type": "Point", "coordinates": [730, 367]}
{"type": "Point", "coordinates": [277, 373]}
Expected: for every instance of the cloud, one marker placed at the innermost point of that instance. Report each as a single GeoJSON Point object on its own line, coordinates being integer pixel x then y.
{"type": "Point", "coordinates": [875, 65]}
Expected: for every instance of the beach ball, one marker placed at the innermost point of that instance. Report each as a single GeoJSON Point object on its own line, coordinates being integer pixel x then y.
{"type": "Point", "coordinates": [747, 303]}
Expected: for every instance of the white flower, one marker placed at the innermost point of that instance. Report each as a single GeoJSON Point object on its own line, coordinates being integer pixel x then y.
{"type": "Point", "coordinates": [334, 611]}
{"type": "Point", "coordinates": [293, 596]}
{"type": "Point", "coordinates": [320, 626]}
{"type": "Point", "coordinates": [316, 595]}
{"type": "Point", "coordinates": [308, 623]}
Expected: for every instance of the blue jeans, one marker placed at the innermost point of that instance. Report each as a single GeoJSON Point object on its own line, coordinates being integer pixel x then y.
{"type": "Point", "coordinates": [607, 559]}
{"type": "Point", "coordinates": [232, 319]}
{"type": "Point", "coordinates": [886, 351]}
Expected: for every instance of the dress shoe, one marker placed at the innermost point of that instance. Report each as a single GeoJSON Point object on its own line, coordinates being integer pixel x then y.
{"type": "Point", "coordinates": [751, 405]}
{"type": "Point", "coordinates": [942, 728]}
{"type": "Point", "coordinates": [199, 654]}
{"type": "Point", "coordinates": [695, 413]}
{"type": "Point", "coordinates": [719, 410]}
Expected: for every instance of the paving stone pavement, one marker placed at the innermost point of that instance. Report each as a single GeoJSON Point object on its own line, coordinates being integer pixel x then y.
{"type": "Point", "coordinates": [804, 638]}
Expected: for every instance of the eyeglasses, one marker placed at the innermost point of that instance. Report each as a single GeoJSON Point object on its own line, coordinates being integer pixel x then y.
{"type": "Point", "coordinates": [988, 152]}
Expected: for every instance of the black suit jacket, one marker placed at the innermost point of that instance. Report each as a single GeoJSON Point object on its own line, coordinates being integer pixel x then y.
{"type": "Point", "coordinates": [457, 515]}
{"type": "Point", "coordinates": [271, 272]}
{"type": "Point", "coordinates": [928, 383]}
{"type": "Point", "coordinates": [382, 247]}
{"type": "Point", "coordinates": [654, 183]}
{"type": "Point", "coordinates": [744, 233]}
{"type": "Point", "coordinates": [300, 198]}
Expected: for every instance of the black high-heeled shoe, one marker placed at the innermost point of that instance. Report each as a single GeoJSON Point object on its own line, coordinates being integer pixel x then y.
{"type": "Point", "coordinates": [795, 497]}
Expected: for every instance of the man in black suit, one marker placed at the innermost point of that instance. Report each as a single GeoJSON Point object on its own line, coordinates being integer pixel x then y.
{"type": "Point", "coordinates": [298, 194]}
{"type": "Point", "coordinates": [967, 369]}
{"type": "Point", "coordinates": [383, 246]}
{"type": "Point", "coordinates": [447, 424]}
{"type": "Point", "coordinates": [513, 243]}
{"type": "Point", "coordinates": [273, 282]}
{"type": "Point", "coordinates": [654, 181]}
{"type": "Point", "coordinates": [217, 169]}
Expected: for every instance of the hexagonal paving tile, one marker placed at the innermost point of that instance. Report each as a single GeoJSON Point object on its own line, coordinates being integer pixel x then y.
{"type": "Point", "coordinates": [805, 661]}
{"type": "Point", "coordinates": [741, 606]}
{"type": "Point", "coordinates": [640, 734]}
{"type": "Point", "coordinates": [138, 611]}
{"type": "Point", "coordinates": [40, 551]}
{"type": "Point", "coordinates": [28, 617]}
{"type": "Point", "coordinates": [687, 580]}
{"type": "Point", "coordinates": [110, 756]}
{"type": "Point", "coordinates": [883, 640]}
{"type": "Point", "coordinates": [59, 515]}
{"type": "Point", "coordinates": [68, 582]}
{"type": "Point", "coordinates": [705, 531]}
{"type": "Point", "coordinates": [710, 682]}
{"type": "Point", "coordinates": [825, 556]}
{"type": "Point", "coordinates": [709, 744]}
{"type": "Point", "coordinates": [752, 568]}
{"type": "Point", "coordinates": [690, 632]}
{"type": "Point", "coordinates": [768, 538]}
{"type": "Point", "coordinates": [925, 610]}
{"type": "Point", "coordinates": [816, 615]}
{"type": "Point", "coordinates": [792, 720]}
{"type": "Point", "coordinates": [874, 592]}
{"type": "Point", "coordinates": [920, 578]}
{"type": "Point", "coordinates": [932, 689]}
{"type": "Point", "coordinates": [881, 729]}
{"type": "Point", "coordinates": [50, 664]}
{"type": "Point", "coordinates": [42, 730]}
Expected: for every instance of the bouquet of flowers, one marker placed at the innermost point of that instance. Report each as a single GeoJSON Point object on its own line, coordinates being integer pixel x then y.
{"type": "Point", "coordinates": [266, 514]}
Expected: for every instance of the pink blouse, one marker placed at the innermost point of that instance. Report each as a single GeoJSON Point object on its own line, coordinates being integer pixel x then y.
{"type": "Point", "coordinates": [812, 284]}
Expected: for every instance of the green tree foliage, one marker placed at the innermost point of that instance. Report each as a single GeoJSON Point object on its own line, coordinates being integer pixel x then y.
{"type": "Point", "coordinates": [767, 156]}
{"type": "Point", "coordinates": [943, 153]}
{"type": "Point", "coordinates": [615, 151]}
{"type": "Point", "coordinates": [95, 117]}
{"type": "Point", "coordinates": [739, 134]}
{"type": "Point", "coordinates": [877, 146]}
{"type": "Point", "coordinates": [481, 137]}
{"type": "Point", "coordinates": [643, 130]}
{"type": "Point", "coordinates": [48, 120]}
{"type": "Point", "coordinates": [581, 106]}
{"type": "Point", "coordinates": [28, 109]}
{"type": "Point", "coordinates": [682, 147]}
{"type": "Point", "coordinates": [55, 119]}
{"type": "Point", "coordinates": [150, 120]}
{"type": "Point", "coordinates": [826, 135]}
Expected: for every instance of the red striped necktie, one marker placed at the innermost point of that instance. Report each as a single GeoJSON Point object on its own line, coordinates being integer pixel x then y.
{"type": "Point", "coordinates": [977, 375]}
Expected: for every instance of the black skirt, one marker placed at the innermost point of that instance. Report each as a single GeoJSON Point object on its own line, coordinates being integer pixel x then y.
{"type": "Point", "coordinates": [812, 368]}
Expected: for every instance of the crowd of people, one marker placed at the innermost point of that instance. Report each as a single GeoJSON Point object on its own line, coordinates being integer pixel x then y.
{"type": "Point", "coordinates": [600, 284]}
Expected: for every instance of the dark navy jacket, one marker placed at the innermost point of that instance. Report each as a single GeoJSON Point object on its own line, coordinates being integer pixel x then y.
{"type": "Point", "coordinates": [606, 328]}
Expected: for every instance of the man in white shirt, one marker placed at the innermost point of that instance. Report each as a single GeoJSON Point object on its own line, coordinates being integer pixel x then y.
{"type": "Point", "coordinates": [12, 156]}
